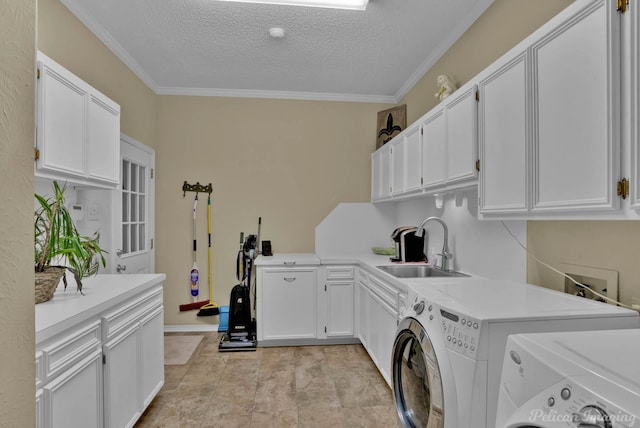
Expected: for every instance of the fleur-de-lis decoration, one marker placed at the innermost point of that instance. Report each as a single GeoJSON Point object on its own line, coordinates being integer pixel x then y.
{"type": "Point", "coordinates": [389, 129]}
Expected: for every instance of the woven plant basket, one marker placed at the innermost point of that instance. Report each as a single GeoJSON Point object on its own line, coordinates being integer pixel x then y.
{"type": "Point", "coordinates": [46, 283]}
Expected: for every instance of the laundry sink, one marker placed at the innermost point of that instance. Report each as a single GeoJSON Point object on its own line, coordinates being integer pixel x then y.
{"type": "Point", "coordinates": [418, 271]}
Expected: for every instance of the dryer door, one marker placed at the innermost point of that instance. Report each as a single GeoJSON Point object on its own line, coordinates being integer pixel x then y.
{"type": "Point", "coordinates": [417, 385]}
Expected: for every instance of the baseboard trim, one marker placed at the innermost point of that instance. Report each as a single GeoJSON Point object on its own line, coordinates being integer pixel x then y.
{"type": "Point", "coordinates": [196, 328]}
{"type": "Point", "coordinates": [308, 342]}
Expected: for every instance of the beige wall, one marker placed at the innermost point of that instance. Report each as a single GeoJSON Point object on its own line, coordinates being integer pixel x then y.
{"type": "Point", "coordinates": [503, 25]}
{"type": "Point", "coordinates": [613, 245]}
{"type": "Point", "coordinates": [290, 162]}
{"type": "Point", "coordinates": [67, 41]}
{"type": "Point", "coordinates": [17, 374]}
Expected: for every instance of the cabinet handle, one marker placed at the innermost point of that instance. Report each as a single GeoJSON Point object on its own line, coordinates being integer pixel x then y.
{"type": "Point", "coordinates": [289, 263]}
{"type": "Point", "coordinates": [289, 278]}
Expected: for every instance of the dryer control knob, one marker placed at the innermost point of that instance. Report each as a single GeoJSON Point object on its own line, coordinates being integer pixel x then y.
{"type": "Point", "coordinates": [419, 307]}
{"type": "Point", "coordinates": [592, 417]}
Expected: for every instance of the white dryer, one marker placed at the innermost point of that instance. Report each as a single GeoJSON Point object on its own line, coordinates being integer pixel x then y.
{"type": "Point", "coordinates": [449, 347]}
{"type": "Point", "coordinates": [579, 379]}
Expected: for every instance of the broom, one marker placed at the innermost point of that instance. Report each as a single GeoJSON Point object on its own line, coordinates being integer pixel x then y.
{"type": "Point", "coordinates": [211, 308]}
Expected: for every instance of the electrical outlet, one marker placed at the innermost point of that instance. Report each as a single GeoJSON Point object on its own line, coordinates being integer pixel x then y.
{"type": "Point", "coordinates": [93, 212]}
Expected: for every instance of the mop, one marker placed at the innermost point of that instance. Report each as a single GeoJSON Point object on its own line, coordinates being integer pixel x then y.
{"type": "Point", "coordinates": [194, 274]}
{"type": "Point", "coordinates": [211, 308]}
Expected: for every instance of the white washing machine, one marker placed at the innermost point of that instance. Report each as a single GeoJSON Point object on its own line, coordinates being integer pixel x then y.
{"type": "Point", "coordinates": [579, 379]}
{"type": "Point", "coordinates": [449, 347]}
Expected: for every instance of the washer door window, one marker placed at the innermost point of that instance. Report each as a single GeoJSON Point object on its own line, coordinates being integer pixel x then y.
{"type": "Point", "coordinates": [417, 386]}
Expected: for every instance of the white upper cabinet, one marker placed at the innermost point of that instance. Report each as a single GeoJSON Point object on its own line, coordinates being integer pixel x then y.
{"type": "Point", "coordinates": [503, 133]}
{"type": "Point", "coordinates": [399, 165]}
{"type": "Point", "coordinates": [62, 118]}
{"type": "Point", "coordinates": [436, 153]}
{"type": "Point", "coordinates": [103, 155]}
{"type": "Point", "coordinates": [433, 149]}
{"type": "Point", "coordinates": [78, 129]}
{"type": "Point", "coordinates": [550, 119]}
{"type": "Point", "coordinates": [576, 106]}
{"type": "Point", "coordinates": [461, 112]}
{"type": "Point", "coordinates": [413, 158]}
{"type": "Point", "coordinates": [381, 173]}
{"type": "Point", "coordinates": [405, 151]}
{"type": "Point", "coordinates": [632, 36]}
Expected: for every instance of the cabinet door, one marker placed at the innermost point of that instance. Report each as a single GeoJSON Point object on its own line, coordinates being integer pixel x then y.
{"type": "Point", "coordinates": [576, 84]}
{"type": "Point", "coordinates": [40, 417]}
{"type": "Point", "coordinates": [121, 379]}
{"type": "Point", "coordinates": [363, 314]}
{"type": "Point", "coordinates": [152, 355]}
{"type": "Point", "coordinates": [434, 149]}
{"type": "Point", "coordinates": [103, 139]}
{"type": "Point", "coordinates": [386, 171]}
{"type": "Point", "coordinates": [74, 399]}
{"type": "Point", "coordinates": [413, 158]}
{"type": "Point", "coordinates": [384, 321]}
{"type": "Point", "coordinates": [633, 35]}
{"type": "Point", "coordinates": [373, 334]}
{"type": "Point", "coordinates": [381, 173]}
{"type": "Point", "coordinates": [339, 308]}
{"type": "Point", "coordinates": [461, 130]}
{"type": "Point", "coordinates": [376, 176]}
{"type": "Point", "coordinates": [504, 138]}
{"type": "Point", "coordinates": [398, 161]}
{"type": "Point", "coordinates": [289, 304]}
{"type": "Point", "coordinates": [61, 110]}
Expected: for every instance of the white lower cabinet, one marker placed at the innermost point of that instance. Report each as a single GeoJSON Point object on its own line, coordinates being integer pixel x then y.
{"type": "Point", "coordinates": [362, 304]}
{"type": "Point", "coordinates": [335, 298]}
{"type": "Point", "coordinates": [287, 305]}
{"type": "Point", "coordinates": [74, 399]}
{"type": "Point", "coordinates": [104, 371]}
{"type": "Point", "coordinates": [380, 315]}
{"type": "Point", "coordinates": [72, 379]}
{"type": "Point", "coordinates": [152, 352]}
{"type": "Point", "coordinates": [121, 379]}
{"type": "Point", "coordinates": [133, 372]}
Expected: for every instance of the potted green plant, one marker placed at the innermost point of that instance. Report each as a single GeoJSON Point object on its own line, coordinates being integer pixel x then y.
{"type": "Point", "coordinates": [57, 240]}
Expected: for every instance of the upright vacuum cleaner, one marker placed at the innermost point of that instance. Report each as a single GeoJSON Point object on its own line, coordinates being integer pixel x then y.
{"type": "Point", "coordinates": [241, 334]}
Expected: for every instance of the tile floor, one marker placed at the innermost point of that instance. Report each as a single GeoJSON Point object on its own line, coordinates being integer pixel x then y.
{"type": "Point", "coordinates": [309, 386]}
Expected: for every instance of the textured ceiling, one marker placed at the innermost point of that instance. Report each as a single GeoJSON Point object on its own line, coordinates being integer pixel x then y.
{"type": "Point", "coordinates": [208, 47]}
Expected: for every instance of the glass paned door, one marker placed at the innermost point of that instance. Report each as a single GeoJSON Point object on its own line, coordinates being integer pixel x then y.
{"type": "Point", "coordinates": [133, 214]}
{"type": "Point", "coordinates": [134, 197]}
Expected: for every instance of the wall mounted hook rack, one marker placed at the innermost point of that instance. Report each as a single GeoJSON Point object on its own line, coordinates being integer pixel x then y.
{"type": "Point", "coordinates": [198, 188]}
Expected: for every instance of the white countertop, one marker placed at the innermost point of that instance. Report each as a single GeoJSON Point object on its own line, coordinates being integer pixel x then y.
{"type": "Point", "coordinates": [369, 262]}
{"type": "Point", "coordinates": [68, 308]}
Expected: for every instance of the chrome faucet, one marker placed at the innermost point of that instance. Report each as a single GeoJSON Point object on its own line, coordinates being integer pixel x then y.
{"type": "Point", "coordinates": [446, 255]}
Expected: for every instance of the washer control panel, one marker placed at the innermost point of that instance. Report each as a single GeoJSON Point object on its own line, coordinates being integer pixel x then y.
{"type": "Point", "coordinates": [461, 333]}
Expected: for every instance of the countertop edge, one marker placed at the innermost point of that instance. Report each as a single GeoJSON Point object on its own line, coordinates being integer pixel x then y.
{"type": "Point", "coordinates": [46, 330]}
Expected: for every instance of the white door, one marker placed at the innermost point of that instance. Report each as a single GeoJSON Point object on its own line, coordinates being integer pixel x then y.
{"type": "Point", "coordinates": [133, 209]}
